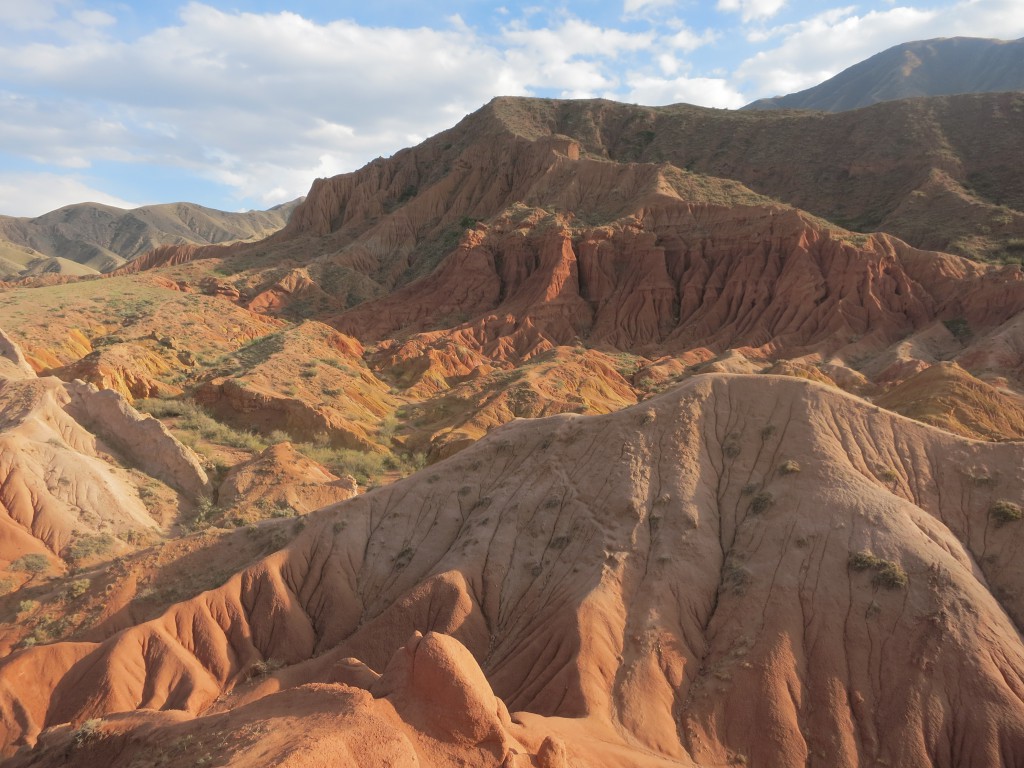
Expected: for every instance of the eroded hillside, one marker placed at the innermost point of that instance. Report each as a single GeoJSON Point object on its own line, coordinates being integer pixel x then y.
{"type": "Point", "coordinates": [652, 420]}
{"type": "Point", "coordinates": [638, 573]}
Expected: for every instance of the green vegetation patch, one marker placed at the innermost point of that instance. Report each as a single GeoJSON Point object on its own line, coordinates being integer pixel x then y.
{"type": "Point", "coordinates": [888, 574]}
{"type": "Point", "coordinates": [1004, 512]}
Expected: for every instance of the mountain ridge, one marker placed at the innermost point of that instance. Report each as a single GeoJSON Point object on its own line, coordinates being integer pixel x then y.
{"type": "Point", "coordinates": [936, 67]}
{"type": "Point", "coordinates": [91, 238]}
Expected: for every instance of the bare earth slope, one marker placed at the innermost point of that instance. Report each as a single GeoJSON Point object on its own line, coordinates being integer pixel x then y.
{"type": "Point", "coordinates": [744, 569]}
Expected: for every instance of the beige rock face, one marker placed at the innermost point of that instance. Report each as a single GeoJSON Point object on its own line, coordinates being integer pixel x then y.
{"type": "Point", "coordinates": [53, 484]}
{"type": "Point", "coordinates": [15, 366]}
{"type": "Point", "coordinates": [141, 438]}
{"type": "Point", "coordinates": [722, 573]}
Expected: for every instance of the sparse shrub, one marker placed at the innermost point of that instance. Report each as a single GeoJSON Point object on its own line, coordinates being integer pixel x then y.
{"type": "Point", "coordinates": [404, 557]}
{"type": "Point", "coordinates": [264, 667]}
{"type": "Point", "coordinates": [282, 509]}
{"type": "Point", "coordinates": [861, 561]}
{"type": "Point", "coordinates": [31, 564]}
{"type": "Point", "coordinates": [77, 588]}
{"type": "Point", "coordinates": [735, 577]}
{"type": "Point", "coordinates": [206, 511]}
{"type": "Point", "coordinates": [761, 502]}
{"type": "Point", "coordinates": [959, 328]}
{"type": "Point", "coordinates": [87, 731]}
{"type": "Point", "coordinates": [279, 436]}
{"type": "Point", "coordinates": [767, 431]}
{"type": "Point", "coordinates": [85, 547]}
{"type": "Point", "coordinates": [196, 422]}
{"type": "Point", "coordinates": [364, 467]}
{"type": "Point", "coordinates": [28, 606]}
{"type": "Point", "coordinates": [889, 475]}
{"type": "Point", "coordinates": [888, 574]}
{"type": "Point", "coordinates": [388, 428]}
{"type": "Point", "coordinates": [1005, 512]}
{"type": "Point", "coordinates": [560, 542]}
{"type": "Point", "coordinates": [789, 467]}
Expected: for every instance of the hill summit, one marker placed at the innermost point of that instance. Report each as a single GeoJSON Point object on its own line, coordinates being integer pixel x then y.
{"type": "Point", "coordinates": [939, 67]}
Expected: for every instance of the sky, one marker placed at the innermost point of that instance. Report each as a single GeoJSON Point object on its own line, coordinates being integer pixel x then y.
{"type": "Point", "coordinates": [239, 105]}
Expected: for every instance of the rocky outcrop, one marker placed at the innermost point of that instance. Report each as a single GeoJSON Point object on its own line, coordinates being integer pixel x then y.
{"type": "Point", "coordinates": [143, 440]}
{"type": "Point", "coordinates": [130, 369]}
{"type": "Point", "coordinates": [680, 277]}
{"type": "Point", "coordinates": [13, 362]}
{"type": "Point", "coordinates": [54, 485]}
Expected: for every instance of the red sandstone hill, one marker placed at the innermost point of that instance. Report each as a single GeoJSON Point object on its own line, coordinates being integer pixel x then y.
{"type": "Point", "coordinates": [747, 570]}
{"type": "Point", "coordinates": [751, 567]}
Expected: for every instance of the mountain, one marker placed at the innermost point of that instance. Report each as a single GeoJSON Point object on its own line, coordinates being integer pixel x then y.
{"type": "Point", "coordinates": [539, 444]}
{"type": "Point", "coordinates": [91, 238]}
{"type": "Point", "coordinates": [918, 169]}
{"type": "Point", "coordinates": [939, 67]}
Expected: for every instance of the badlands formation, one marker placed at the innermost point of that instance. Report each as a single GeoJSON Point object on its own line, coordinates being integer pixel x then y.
{"type": "Point", "coordinates": [581, 434]}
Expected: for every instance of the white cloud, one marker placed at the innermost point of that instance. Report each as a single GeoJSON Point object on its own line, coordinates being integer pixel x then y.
{"type": "Point", "coordinates": [30, 194]}
{"type": "Point", "coordinates": [572, 57]}
{"type": "Point", "coordinates": [259, 102]}
{"type": "Point", "coordinates": [633, 7]}
{"type": "Point", "coordinates": [91, 18]}
{"type": "Point", "coordinates": [752, 9]}
{"type": "Point", "coordinates": [705, 91]}
{"type": "Point", "coordinates": [687, 40]}
{"type": "Point", "coordinates": [21, 14]}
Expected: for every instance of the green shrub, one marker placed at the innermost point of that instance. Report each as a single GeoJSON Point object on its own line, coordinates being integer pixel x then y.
{"type": "Point", "coordinates": [863, 560]}
{"type": "Point", "coordinates": [194, 419]}
{"type": "Point", "coordinates": [888, 574]}
{"type": "Point", "coordinates": [890, 475]}
{"type": "Point", "coordinates": [959, 328]}
{"type": "Point", "coordinates": [77, 588]}
{"type": "Point", "coordinates": [85, 547]}
{"type": "Point", "coordinates": [761, 502]}
{"type": "Point", "coordinates": [1005, 512]}
{"type": "Point", "coordinates": [28, 606]}
{"type": "Point", "coordinates": [31, 564]}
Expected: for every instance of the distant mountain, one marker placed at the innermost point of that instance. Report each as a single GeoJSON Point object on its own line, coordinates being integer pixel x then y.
{"type": "Point", "coordinates": [90, 238]}
{"type": "Point", "coordinates": [939, 67]}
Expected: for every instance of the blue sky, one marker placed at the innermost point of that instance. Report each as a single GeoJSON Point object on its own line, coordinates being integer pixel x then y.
{"type": "Point", "coordinates": [241, 104]}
